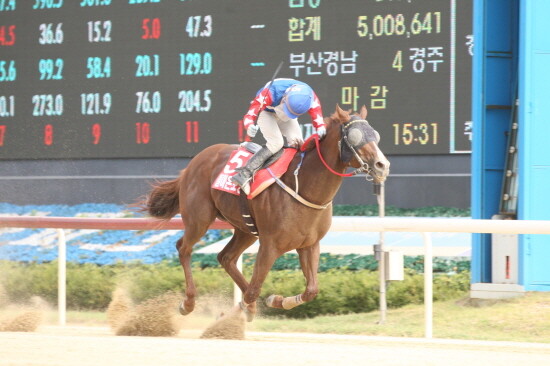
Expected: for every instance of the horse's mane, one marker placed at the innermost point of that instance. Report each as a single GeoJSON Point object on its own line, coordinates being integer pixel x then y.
{"type": "Point", "coordinates": [310, 143]}
{"type": "Point", "coordinates": [330, 122]}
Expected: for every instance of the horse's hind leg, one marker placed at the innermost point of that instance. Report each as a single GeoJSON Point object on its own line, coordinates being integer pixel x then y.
{"type": "Point", "coordinates": [309, 261]}
{"type": "Point", "coordinates": [193, 232]}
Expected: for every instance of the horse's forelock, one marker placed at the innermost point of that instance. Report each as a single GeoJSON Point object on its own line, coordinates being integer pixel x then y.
{"type": "Point", "coordinates": [341, 118]}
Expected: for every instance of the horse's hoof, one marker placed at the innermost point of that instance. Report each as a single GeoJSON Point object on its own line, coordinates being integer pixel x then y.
{"type": "Point", "coordinates": [249, 314]}
{"type": "Point", "coordinates": [182, 310]}
{"type": "Point", "coordinates": [269, 301]}
{"type": "Point", "coordinates": [274, 301]}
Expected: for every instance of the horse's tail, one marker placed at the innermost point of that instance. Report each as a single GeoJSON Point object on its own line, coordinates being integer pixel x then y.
{"type": "Point", "coordinates": [162, 201]}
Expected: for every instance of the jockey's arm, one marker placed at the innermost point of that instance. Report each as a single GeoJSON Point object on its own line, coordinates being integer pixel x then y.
{"type": "Point", "coordinates": [316, 113]}
{"type": "Point", "coordinates": [262, 100]}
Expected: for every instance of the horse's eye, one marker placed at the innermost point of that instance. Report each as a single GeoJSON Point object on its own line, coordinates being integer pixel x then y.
{"type": "Point", "coordinates": [355, 136]}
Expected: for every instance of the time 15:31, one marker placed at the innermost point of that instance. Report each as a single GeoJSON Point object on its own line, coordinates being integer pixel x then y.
{"type": "Point", "coordinates": [415, 133]}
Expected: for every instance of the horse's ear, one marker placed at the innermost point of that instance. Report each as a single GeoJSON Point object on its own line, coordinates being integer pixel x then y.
{"type": "Point", "coordinates": [363, 112]}
{"type": "Point", "coordinates": [341, 114]}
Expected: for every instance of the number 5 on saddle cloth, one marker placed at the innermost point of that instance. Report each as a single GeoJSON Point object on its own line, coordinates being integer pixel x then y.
{"type": "Point", "coordinates": [275, 167]}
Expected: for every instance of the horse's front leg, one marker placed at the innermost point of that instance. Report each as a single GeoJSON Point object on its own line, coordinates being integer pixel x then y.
{"type": "Point", "coordinates": [309, 261]}
{"type": "Point", "coordinates": [228, 259]}
{"type": "Point", "coordinates": [265, 258]}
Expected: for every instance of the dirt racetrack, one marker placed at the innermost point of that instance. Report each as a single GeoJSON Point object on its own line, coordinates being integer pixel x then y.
{"type": "Point", "coordinates": [95, 346]}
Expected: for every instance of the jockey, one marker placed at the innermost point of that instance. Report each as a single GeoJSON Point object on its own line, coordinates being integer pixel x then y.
{"type": "Point", "coordinates": [278, 107]}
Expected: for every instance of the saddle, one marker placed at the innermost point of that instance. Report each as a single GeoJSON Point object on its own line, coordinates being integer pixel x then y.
{"type": "Point", "coordinates": [273, 168]}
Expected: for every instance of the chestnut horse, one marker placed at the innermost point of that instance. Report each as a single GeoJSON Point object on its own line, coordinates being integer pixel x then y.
{"type": "Point", "coordinates": [283, 222]}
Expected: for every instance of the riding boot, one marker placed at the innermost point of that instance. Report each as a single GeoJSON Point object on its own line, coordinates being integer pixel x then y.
{"type": "Point", "coordinates": [245, 174]}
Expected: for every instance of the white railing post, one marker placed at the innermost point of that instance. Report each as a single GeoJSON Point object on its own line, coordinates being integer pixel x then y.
{"type": "Point", "coordinates": [62, 277]}
{"type": "Point", "coordinates": [428, 285]}
{"type": "Point", "coordinates": [382, 263]}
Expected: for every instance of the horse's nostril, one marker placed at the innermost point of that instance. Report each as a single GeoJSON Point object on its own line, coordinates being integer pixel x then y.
{"type": "Point", "coordinates": [380, 165]}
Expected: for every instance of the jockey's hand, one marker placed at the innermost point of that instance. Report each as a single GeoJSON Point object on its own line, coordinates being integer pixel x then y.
{"type": "Point", "coordinates": [252, 130]}
{"type": "Point", "coordinates": [321, 131]}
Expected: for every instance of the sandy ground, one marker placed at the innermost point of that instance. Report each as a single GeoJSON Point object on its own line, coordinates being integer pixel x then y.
{"type": "Point", "coordinates": [82, 346]}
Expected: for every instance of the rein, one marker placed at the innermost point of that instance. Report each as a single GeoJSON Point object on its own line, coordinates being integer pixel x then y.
{"type": "Point", "coordinates": [316, 138]}
{"type": "Point", "coordinates": [364, 166]}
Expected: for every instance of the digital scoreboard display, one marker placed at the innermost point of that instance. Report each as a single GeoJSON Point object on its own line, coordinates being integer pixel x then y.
{"type": "Point", "coordinates": [167, 78]}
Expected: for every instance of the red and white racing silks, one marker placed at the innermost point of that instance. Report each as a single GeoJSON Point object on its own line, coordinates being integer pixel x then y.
{"type": "Point", "coordinates": [268, 98]}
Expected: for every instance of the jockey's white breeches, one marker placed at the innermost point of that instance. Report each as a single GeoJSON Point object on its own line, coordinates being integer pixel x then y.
{"type": "Point", "coordinates": [274, 128]}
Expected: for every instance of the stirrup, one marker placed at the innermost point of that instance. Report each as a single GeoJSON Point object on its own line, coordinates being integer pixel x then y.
{"type": "Point", "coordinates": [242, 182]}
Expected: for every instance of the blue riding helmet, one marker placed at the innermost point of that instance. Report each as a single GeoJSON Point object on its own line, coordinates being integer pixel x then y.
{"type": "Point", "coordinates": [297, 100]}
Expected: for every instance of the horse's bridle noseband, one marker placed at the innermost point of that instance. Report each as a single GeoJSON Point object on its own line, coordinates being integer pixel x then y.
{"type": "Point", "coordinates": [365, 138]}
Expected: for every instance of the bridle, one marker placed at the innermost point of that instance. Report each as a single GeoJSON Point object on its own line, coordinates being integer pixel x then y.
{"type": "Point", "coordinates": [364, 165]}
